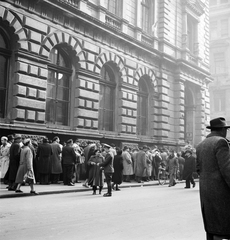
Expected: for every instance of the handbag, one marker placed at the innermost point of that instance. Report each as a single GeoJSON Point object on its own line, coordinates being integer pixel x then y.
{"type": "Point", "coordinates": [28, 177]}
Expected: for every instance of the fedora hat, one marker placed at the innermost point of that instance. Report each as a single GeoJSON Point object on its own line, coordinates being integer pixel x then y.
{"type": "Point", "coordinates": [218, 123]}
{"type": "Point", "coordinates": [17, 136]}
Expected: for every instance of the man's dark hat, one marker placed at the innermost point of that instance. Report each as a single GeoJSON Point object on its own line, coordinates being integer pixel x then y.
{"type": "Point", "coordinates": [218, 123]}
{"type": "Point", "coordinates": [69, 141]}
{"type": "Point", "coordinates": [17, 136]}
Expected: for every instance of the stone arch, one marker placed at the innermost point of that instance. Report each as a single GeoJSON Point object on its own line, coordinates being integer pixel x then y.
{"type": "Point", "coordinates": [59, 37]}
{"type": "Point", "coordinates": [106, 57]}
{"type": "Point", "coordinates": [15, 22]}
{"type": "Point", "coordinates": [146, 71]}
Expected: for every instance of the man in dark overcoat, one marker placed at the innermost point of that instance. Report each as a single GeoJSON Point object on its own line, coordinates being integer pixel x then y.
{"type": "Point", "coordinates": [213, 166]}
{"type": "Point", "coordinates": [69, 159]}
{"type": "Point", "coordinates": [189, 169]}
{"type": "Point", "coordinates": [56, 166]}
{"type": "Point", "coordinates": [15, 151]}
{"type": "Point", "coordinates": [44, 153]}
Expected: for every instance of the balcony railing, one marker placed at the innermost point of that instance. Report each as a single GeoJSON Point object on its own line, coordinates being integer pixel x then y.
{"type": "Point", "coordinates": [146, 39]}
{"type": "Point", "coordinates": [73, 3]}
{"type": "Point", "coordinates": [112, 21]}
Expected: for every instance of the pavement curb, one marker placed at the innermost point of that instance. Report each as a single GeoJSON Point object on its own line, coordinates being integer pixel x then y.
{"type": "Point", "coordinates": [82, 189]}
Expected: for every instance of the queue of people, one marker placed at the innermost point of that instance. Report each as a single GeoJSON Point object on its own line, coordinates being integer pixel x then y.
{"type": "Point", "coordinates": [50, 162]}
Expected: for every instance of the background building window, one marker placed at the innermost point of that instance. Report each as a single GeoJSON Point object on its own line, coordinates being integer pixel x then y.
{"type": "Point", "coordinates": [58, 88]}
{"type": "Point", "coordinates": [224, 1]}
{"type": "Point", "coordinates": [219, 63]}
{"type": "Point", "coordinates": [107, 99]}
{"type": "Point", "coordinates": [191, 33]}
{"type": "Point", "coordinates": [219, 99]}
{"type": "Point", "coordinates": [213, 30]}
{"type": "Point", "coordinates": [142, 121]}
{"type": "Point", "coordinates": [212, 2]}
{"type": "Point", "coordinates": [4, 55]}
{"type": "Point", "coordinates": [224, 28]}
{"type": "Point", "coordinates": [131, 11]}
{"type": "Point", "coordinates": [146, 7]}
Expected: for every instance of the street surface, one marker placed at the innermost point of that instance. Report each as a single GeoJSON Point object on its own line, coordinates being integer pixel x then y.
{"type": "Point", "coordinates": [153, 212]}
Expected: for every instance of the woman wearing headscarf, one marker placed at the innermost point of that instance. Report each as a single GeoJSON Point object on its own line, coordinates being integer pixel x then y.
{"type": "Point", "coordinates": [95, 172]}
{"type": "Point", "coordinates": [25, 171]}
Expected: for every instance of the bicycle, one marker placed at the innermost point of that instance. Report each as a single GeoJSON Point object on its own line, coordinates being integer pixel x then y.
{"type": "Point", "coordinates": [163, 175]}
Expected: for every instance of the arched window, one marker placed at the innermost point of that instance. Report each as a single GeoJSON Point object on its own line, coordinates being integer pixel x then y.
{"type": "Point", "coordinates": [107, 99]}
{"type": "Point", "coordinates": [4, 56]}
{"type": "Point", "coordinates": [58, 87]}
{"type": "Point", "coordinates": [143, 104]}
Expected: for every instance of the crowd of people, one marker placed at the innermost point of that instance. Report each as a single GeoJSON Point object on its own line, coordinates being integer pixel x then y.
{"type": "Point", "coordinates": [26, 161]}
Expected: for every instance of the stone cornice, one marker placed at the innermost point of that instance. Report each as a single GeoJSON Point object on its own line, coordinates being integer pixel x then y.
{"type": "Point", "coordinates": [195, 6]}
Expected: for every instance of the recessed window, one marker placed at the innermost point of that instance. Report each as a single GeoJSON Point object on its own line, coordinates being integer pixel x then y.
{"type": "Point", "coordinates": [219, 101]}
{"type": "Point", "coordinates": [131, 11]}
{"type": "Point", "coordinates": [224, 28]}
{"type": "Point", "coordinates": [146, 7]}
{"type": "Point", "coordinates": [191, 33]}
{"type": "Point", "coordinates": [143, 96]}
{"type": "Point", "coordinates": [212, 2]}
{"type": "Point", "coordinates": [219, 63]}
{"type": "Point", "coordinates": [224, 1]}
{"type": "Point", "coordinates": [4, 56]}
{"type": "Point", "coordinates": [58, 88]}
{"type": "Point", "coordinates": [107, 99]}
{"type": "Point", "coordinates": [213, 30]}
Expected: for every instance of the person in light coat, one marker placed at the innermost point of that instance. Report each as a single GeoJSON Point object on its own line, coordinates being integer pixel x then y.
{"type": "Point", "coordinates": [127, 164]}
{"type": "Point", "coordinates": [4, 157]}
{"type": "Point", "coordinates": [25, 171]}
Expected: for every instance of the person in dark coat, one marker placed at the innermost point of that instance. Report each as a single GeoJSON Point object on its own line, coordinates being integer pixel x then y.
{"type": "Point", "coordinates": [69, 159]}
{"type": "Point", "coordinates": [189, 169]}
{"type": "Point", "coordinates": [56, 167]}
{"type": "Point", "coordinates": [107, 165]}
{"type": "Point", "coordinates": [88, 152]}
{"type": "Point", "coordinates": [118, 170]}
{"type": "Point", "coordinates": [15, 151]}
{"type": "Point", "coordinates": [44, 153]}
{"type": "Point", "coordinates": [213, 167]}
{"type": "Point", "coordinates": [95, 173]}
{"type": "Point", "coordinates": [181, 162]}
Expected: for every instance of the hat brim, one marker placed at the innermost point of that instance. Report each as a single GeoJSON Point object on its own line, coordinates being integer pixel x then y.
{"type": "Point", "coordinates": [210, 127]}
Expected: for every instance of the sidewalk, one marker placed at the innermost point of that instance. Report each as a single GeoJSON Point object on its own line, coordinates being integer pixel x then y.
{"type": "Point", "coordinates": [60, 188]}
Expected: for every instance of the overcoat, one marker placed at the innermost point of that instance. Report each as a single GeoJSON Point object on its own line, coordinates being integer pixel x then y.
{"type": "Point", "coordinates": [149, 160]}
{"type": "Point", "coordinates": [118, 168]}
{"type": "Point", "coordinates": [127, 163]}
{"type": "Point", "coordinates": [95, 173]}
{"type": "Point", "coordinates": [26, 164]}
{"type": "Point", "coordinates": [4, 159]}
{"type": "Point", "coordinates": [56, 167]}
{"type": "Point", "coordinates": [213, 166]}
{"type": "Point", "coordinates": [189, 167]}
{"type": "Point", "coordinates": [140, 163]}
{"type": "Point", "coordinates": [44, 153]}
{"type": "Point", "coordinates": [15, 150]}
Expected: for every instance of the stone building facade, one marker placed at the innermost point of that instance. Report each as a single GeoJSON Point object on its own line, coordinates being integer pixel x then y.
{"type": "Point", "coordinates": [220, 58]}
{"type": "Point", "coordinates": [131, 71]}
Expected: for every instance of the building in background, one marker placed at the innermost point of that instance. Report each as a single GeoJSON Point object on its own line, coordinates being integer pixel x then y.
{"type": "Point", "coordinates": [220, 58]}
{"type": "Point", "coordinates": [131, 71]}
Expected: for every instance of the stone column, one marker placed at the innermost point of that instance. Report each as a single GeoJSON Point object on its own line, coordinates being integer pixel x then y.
{"type": "Point", "coordinates": [179, 110]}
{"type": "Point", "coordinates": [161, 116]}
{"type": "Point", "coordinates": [201, 118]}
